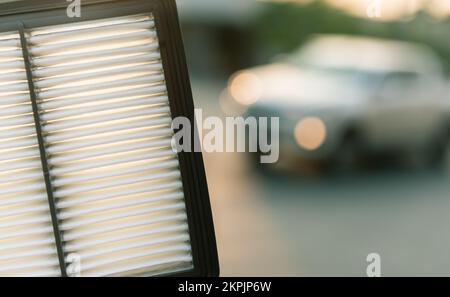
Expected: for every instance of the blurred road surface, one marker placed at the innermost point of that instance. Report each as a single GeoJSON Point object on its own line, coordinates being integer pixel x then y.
{"type": "Point", "coordinates": [292, 225]}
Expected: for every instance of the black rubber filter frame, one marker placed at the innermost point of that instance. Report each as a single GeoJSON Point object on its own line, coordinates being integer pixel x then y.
{"type": "Point", "coordinates": [28, 14]}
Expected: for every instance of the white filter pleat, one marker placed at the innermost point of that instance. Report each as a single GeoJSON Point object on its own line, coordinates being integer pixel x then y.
{"type": "Point", "coordinates": [27, 242]}
{"type": "Point", "coordinates": [106, 120]}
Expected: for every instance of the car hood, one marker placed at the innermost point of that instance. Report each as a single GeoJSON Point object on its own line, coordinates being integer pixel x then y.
{"type": "Point", "coordinates": [284, 84]}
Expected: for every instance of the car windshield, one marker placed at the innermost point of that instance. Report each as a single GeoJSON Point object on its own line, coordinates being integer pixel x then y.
{"type": "Point", "coordinates": [376, 61]}
{"type": "Point", "coordinates": [368, 78]}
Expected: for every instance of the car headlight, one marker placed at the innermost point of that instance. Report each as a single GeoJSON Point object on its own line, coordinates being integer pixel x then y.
{"type": "Point", "coordinates": [310, 133]}
{"type": "Point", "coordinates": [246, 88]}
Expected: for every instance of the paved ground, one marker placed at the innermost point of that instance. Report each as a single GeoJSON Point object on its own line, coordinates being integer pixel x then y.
{"type": "Point", "coordinates": [283, 224]}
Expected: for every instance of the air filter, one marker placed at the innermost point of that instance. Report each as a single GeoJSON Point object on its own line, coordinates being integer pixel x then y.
{"type": "Point", "coordinates": [88, 173]}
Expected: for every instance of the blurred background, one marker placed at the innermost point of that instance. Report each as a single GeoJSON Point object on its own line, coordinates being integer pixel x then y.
{"type": "Point", "coordinates": [298, 221]}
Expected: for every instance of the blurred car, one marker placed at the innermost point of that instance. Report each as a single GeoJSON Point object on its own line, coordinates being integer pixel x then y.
{"type": "Point", "coordinates": [340, 98]}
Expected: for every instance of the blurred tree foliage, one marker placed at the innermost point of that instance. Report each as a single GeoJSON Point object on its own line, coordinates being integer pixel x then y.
{"type": "Point", "coordinates": [283, 27]}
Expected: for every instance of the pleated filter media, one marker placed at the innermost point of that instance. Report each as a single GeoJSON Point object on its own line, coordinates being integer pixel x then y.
{"type": "Point", "coordinates": [27, 243]}
{"type": "Point", "coordinates": [105, 120]}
